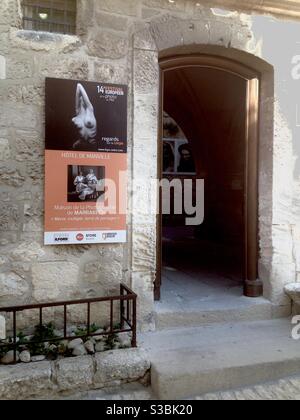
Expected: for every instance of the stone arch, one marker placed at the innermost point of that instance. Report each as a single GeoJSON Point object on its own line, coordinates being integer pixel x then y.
{"type": "Point", "coordinates": [170, 36]}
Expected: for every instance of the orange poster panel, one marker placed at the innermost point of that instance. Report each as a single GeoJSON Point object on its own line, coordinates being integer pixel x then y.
{"type": "Point", "coordinates": [74, 206]}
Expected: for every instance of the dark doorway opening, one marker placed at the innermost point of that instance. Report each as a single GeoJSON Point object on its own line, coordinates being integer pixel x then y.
{"type": "Point", "coordinates": [209, 132]}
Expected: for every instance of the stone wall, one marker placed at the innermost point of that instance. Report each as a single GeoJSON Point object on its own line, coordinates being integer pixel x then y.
{"type": "Point", "coordinates": [119, 41]}
{"type": "Point", "coordinates": [30, 272]}
{"type": "Point", "coordinates": [67, 376]}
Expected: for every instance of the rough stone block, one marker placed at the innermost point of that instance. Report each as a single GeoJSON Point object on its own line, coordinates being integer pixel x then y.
{"type": "Point", "coordinates": [18, 116]}
{"type": "Point", "coordinates": [13, 289]}
{"type": "Point", "coordinates": [296, 245]}
{"type": "Point", "coordinates": [11, 175]}
{"type": "Point", "coordinates": [142, 200]}
{"type": "Point", "coordinates": [146, 72]}
{"type": "Point", "coordinates": [53, 281]}
{"type": "Point", "coordinates": [144, 248]}
{"type": "Point", "coordinates": [148, 13]}
{"type": "Point", "coordinates": [146, 110]}
{"type": "Point", "coordinates": [283, 169]}
{"type": "Point", "coordinates": [29, 146]}
{"type": "Point", "coordinates": [143, 40]}
{"type": "Point", "coordinates": [128, 7]}
{"type": "Point", "coordinates": [7, 238]}
{"type": "Point", "coordinates": [2, 67]}
{"type": "Point", "coordinates": [186, 33]}
{"type": "Point", "coordinates": [27, 252]}
{"type": "Point", "coordinates": [120, 365]}
{"type": "Point", "coordinates": [142, 285]}
{"type": "Point", "coordinates": [44, 41]}
{"type": "Point", "coordinates": [10, 13]}
{"type": "Point", "coordinates": [9, 217]}
{"type": "Point", "coordinates": [293, 292]}
{"type": "Point", "coordinates": [282, 244]}
{"type": "Point", "coordinates": [33, 224]}
{"type": "Point", "coordinates": [75, 373]}
{"type": "Point", "coordinates": [69, 68]}
{"type": "Point", "coordinates": [110, 73]}
{"type": "Point", "coordinates": [296, 205]}
{"type": "Point", "coordinates": [85, 16]}
{"type": "Point", "coordinates": [243, 38]}
{"type": "Point", "coordinates": [178, 5]}
{"type": "Point", "coordinates": [220, 33]}
{"type": "Point", "coordinates": [4, 150]}
{"type": "Point", "coordinates": [107, 277]}
{"type": "Point", "coordinates": [2, 328]}
{"type": "Point", "coordinates": [107, 45]}
{"type": "Point", "coordinates": [27, 94]}
{"type": "Point", "coordinates": [35, 172]}
{"type": "Point", "coordinates": [20, 68]}
{"type": "Point", "coordinates": [115, 22]}
{"type": "Point", "coordinates": [25, 381]}
{"type": "Point", "coordinates": [281, 275]}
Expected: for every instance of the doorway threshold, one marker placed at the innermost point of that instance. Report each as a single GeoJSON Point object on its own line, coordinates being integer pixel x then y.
{"type": "Point", "coordinates": [194, 298]}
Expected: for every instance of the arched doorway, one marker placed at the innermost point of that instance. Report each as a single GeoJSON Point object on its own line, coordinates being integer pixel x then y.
{"type": "Point", "coordinates": [215, 102]}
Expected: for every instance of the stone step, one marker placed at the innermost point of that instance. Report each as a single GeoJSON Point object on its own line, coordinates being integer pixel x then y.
{"type": "Point", "coordinates": [287, 388]}
{"type": "Point", "coordinates": [127, 392]}
{"type": "Point", "coordinates": [228, 309]}
{"type": "Point", "coordinates": [219, 357]}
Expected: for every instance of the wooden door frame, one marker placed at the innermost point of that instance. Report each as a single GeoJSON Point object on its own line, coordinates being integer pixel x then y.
{"type": "Point", "coordinates": [253, 286]}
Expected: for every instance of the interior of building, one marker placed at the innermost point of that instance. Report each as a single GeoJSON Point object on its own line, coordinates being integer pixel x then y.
{"type": "Point", "coordinates": [204, 132]}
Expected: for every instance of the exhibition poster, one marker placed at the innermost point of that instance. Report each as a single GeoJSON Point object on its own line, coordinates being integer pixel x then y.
{"type": "Point", "coordinates": [85, 162]}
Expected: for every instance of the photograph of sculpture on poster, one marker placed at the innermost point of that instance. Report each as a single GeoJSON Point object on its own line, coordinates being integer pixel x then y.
{"type": "Point", "coordinates": [86, 116]}
{"type": "Point", "coordinates": [86, 150]}
{"type": "Point", "coordinates": [85, 183]}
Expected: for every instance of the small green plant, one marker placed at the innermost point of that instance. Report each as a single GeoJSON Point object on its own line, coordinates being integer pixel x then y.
{"type": "Point", "coordinates": [110, 341]}
{"type": "Point", "coordinates": [22, 340]}
{"type": "Point", "coordinates": [94, 328]}
{"type": "Point", "coordinates": [82, 332]}
{"type": "Point", "coordinates": [42, 334]}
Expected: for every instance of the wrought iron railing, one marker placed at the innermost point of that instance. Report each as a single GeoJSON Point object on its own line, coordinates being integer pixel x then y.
{"type": "Point", "coordinates": [128, 318]}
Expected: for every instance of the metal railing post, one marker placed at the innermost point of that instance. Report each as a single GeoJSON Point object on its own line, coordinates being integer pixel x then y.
{"type": "Point", "coordinates": [15, 335]}
{"type": "Point", "coordinates": [65, 321]}
{"type": "Point", "coordinates": [134, 323]}
{"type": "Point", "coordinates": [88, 318]}
{"type": "Point", "coordinates": [122, 308]}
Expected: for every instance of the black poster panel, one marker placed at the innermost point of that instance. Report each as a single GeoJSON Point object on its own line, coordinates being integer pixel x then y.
{"type": "Point", "coordinates": [86, 116]}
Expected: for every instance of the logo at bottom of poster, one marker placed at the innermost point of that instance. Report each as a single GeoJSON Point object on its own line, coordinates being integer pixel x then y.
{"type": "Point", "coordinates": [61, 238]}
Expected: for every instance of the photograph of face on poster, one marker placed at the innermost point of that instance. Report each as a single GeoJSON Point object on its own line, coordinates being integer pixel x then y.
{"type": "Point", "coordinates": [86, 116]}
{"type": "Point", "coordinates": [86, 183]}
